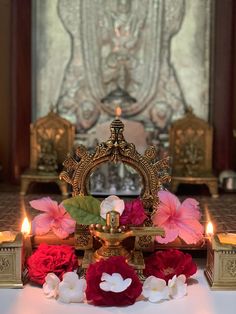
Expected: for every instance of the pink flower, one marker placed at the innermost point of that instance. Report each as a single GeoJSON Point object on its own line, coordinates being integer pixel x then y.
{"type": "Point", "coordinates": [55, 218]}
{"type": "Point", "coordinates": [178, 219]}
{"type": "Point", "coordinates": [133, 214]}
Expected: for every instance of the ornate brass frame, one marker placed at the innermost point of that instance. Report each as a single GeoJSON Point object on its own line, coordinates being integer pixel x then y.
{"type": "Point", "coordinates": [152, 171]}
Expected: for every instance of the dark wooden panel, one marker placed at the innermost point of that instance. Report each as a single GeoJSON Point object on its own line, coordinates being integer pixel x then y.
{"type": "Point", "coordinates": [21, 85]}
{"type": "Point", "coordinates": [222, 82]}
{"type": "Point", "coordinates": [5, 99]}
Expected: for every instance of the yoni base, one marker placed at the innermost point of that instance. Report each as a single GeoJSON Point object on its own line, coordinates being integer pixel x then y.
{"type": "Point", "coordinates": [221, 265]}
{"type": "Point", "coordinates": [136, 261]}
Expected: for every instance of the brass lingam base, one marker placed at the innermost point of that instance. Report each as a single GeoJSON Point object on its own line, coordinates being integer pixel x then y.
{"type": "Point", "coordinates": [111, 236]}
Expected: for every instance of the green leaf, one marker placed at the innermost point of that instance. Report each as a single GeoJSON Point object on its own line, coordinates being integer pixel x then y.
{"type": "Point", "coordinates": [84, 210]}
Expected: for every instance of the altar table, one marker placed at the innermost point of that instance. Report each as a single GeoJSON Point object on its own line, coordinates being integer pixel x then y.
{"type": "Point", "coordinates": [200, 300]}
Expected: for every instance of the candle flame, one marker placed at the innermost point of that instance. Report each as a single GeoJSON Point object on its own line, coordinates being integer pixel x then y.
{"type": "Point", "coordinates": [118, 111]}
{"type": "Point", "coordinates": [209, 229]}
{"type": "Point", "coordinates": [25, 227]}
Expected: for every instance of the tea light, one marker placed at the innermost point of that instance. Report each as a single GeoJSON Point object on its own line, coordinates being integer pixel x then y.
{"type": "Point", "coordinates": [25, 230]}
{"type": "Point", "coordinates": [209, 229]}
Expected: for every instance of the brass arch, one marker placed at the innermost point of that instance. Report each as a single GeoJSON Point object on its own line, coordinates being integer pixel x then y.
{"type": "Point", "coordinates": [153, 173]}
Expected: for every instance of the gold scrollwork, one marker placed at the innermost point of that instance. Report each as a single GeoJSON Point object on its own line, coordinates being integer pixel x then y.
{"type": "Point", "coordinates": [152, 171]}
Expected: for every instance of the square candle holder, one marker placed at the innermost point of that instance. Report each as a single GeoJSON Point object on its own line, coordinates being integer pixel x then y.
{"type": "Point", "coordinates": [11, 260]}
{"type": "Point", "coordinates": [221, 264]}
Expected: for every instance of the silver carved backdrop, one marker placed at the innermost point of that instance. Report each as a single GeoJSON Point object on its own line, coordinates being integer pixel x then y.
{"type": "Point", "coordinates": [157, 50]}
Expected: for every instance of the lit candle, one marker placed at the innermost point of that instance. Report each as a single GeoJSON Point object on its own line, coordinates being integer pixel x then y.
{"type": "Point", "coordinates": [25, 230]}
{"type": "Point", "coordinates": [209, 229]}
{"type": "Point", "coordinates": [118, 112]}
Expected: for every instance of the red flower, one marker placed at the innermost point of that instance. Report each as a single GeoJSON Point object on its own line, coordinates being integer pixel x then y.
{"type": "Point", "coordinates": [133, 214]}
{"type": "Point", "coordinates": [57, 259]}
{"type": "Point", "coordinates": [166, 264]}
{"type": "Point", "coordinates": [115, 264]}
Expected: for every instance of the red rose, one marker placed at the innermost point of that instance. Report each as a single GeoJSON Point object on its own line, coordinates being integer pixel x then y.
{"type": "Point", "coordinates": [133, 214]}
{"type": "Point", "coordinates": [166, 264]}
{"type": "Point", "coordinates": [115, 264]}
{"type": "Point", "coordinates": [57, 259]}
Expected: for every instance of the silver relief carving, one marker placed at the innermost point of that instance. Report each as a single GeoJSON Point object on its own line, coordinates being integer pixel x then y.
{"type": "Point", "coordinates": [119, 43]}
{"type": "Point", "coordinates": [157, 50]}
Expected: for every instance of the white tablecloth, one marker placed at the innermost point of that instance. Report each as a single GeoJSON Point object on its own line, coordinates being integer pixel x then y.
{"type": "Point", "coordinates": [200, 300]}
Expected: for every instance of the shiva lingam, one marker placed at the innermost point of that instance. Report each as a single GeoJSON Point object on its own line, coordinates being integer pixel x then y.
{"type": "Point", "coordinates": [111, 236]}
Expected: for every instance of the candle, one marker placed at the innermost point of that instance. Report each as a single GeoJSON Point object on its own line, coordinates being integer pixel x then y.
{"type": "Point", "coordinates": [118, 112]}
{"type": "Point", "coordinates": [209, 229]}
{"type": "Point", "coordinates": [25, 230]}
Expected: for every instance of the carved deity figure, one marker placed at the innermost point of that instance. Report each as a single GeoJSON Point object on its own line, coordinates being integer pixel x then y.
{"type": "Point", "coordinates": [47, 157]}
{"type": "Point", "coordinates": [121, 30]}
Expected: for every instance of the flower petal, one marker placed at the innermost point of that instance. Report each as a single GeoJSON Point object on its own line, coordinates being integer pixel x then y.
{"type": "Point", "coordinates": [114, 282]}
{"type": "Point", "coordinates": [155, 289]}
{"type": "Point", "coordinates": [169, 199]}
{"type": "Point", "coordinates": [70, 290]}
{"type": "Point", "coordinates": [111, 203]}
{"type": "Point", "coordinates": [170, 235]}
{"type": "Point", "coordinates": [60, 232]}
{"type": "Point", "coordinates": [41, 224]}
{"type": "Point", "coordinates": [50, 287]}
{"type": "Point", "coordinates": [45, 204]}
{"type": "Point", "coordinates": [177, 287]}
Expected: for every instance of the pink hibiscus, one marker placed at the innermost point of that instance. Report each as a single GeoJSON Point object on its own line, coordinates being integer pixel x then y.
{"type": "Point", "coordinates": [178, 220]}
{"type": "Point", "coordinates": [55, 218]}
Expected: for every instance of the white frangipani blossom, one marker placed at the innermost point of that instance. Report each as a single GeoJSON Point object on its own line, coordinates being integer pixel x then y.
{"type": "Point", "coordinates": [50, 287]}
{"type": "Point", "coordinates": [177, 287]}
{"type": "Point", "coordinates": [110, 203]}
{"type": "Point", "coordinates": [71, 289]}
{"type": "Point", "coordinates": [114, 282]}
{"type": "Point", "coordinates": [155, 289]}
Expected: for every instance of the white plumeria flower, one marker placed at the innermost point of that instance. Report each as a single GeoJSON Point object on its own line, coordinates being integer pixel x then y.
{"type": "Point", "coordinates": [71, 289]}
{"type": "Point", "coordinates": [110, 203]}
{"type": "Point", "coordinates": [177, 286]}
{"type": "Point", "coordinates": [50, 287]}
{"type": "Point", "coordinates": [114, 282]}
{"type": "Point", "coordinates": [155, 289]}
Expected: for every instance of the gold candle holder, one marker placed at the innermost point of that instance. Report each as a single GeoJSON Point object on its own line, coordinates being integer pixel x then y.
{"type": "Point", "coordinates": [11, 259]}
{"type": "Point", "coordinates": [221, 262]}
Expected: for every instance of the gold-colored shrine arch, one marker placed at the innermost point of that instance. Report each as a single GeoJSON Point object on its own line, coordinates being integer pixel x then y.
{"type": "Point", "coordinates": [153, 172]}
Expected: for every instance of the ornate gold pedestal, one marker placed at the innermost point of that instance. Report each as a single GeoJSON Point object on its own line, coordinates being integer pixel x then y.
{"type": "Point", "coordinates": [51, 139]}
{"type": "Point", "coordinates": [221, 265]}
{"type": "Point", "coordinates": [11, 263]}
{"type": "Point", "coordinates": [191, 141]}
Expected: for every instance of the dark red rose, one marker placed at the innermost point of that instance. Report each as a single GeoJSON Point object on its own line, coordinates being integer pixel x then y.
{"type": "Point", "coordinates": [166, 264]}
{"type": "Point", "coordinates": [133, 214]}
{"type": "Point", "coordinates": [57, 259]}
{"type": "Point", "coordinates": [115, 264]}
